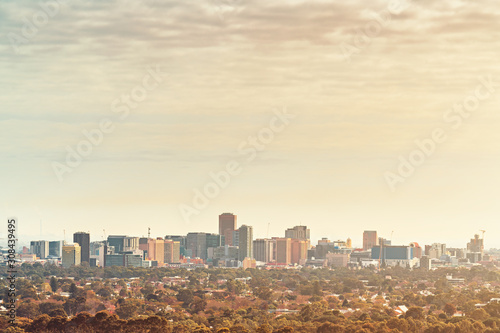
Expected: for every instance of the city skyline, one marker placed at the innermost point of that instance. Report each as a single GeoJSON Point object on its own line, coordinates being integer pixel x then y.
{"type": "Point", "coordinates": [359, 240]}
{"type": "Point", "coordinates": [341, 116]}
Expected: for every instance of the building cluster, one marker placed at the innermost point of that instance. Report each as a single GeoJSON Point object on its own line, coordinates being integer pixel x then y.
{"type": "Point", "coordinates": [235, 246]}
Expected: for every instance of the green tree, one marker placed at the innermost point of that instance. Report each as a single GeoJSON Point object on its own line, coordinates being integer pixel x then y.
{"type": "Point", "coordinates": [53, 284]}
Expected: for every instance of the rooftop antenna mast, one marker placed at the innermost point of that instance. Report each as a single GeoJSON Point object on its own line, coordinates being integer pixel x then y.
{"type": "Point", "coordinates": [149, 232]}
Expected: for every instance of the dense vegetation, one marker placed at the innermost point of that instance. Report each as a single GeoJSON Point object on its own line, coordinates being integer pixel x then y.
{"type": "Point", "coordinates": [118, 299]}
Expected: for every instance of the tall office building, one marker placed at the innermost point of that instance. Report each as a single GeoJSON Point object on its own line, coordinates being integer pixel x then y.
{"type": "Point", "coordinates": [148, 247]}
{"type": "Point", "coordinates": [298, 251]}
{"type": "Point", "coordinates": [283, 250]}
{"type": "Point", "coordinates": [227, 224]}
{"type": "Point", "coordinates": [130, 243]}
{"type": "Point", "coordinates": [182, 243]}
{"type": "Point", "coordinates": [235, 238]}
{"type": "Point", "coordinates": [40, 249]}
{"type": "Point", "coordinates": [159, 255]}
{"type": "Point", "coordinates": [196, 243]}
{"type": "Point", "coordinates": [172, 252]}
{"type": "Point", "coordinates": [245, 245]}
{"type": "Point", "coordinates": [117, 241]}
{"type": "Point", "coordinates": [298, 232]}
{"type": "Point", "coordinates": [263, 250]}
{"type": "Point", "coordinates": [369, 239]}
{"type": "Point", "coordinates": [55, 248]}
{"type": "Point", "coordinates": [83, 239]}
{"type": "Point", "coordinates": [71, 255]}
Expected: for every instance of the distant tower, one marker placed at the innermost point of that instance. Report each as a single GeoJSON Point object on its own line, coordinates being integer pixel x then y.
{"type": "Point", "coordinates": [245, 242]}
{"type": "Point", "coordinates": [227, 224]}
{"type": "Point", "coordinates": [349, 243]}
{"type": "Point", "coordinates": [369, 239]}
{"type": "Point", "coordinates": [83, 239]}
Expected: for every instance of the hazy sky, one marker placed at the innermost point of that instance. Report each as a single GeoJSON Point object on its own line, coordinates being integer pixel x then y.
{"type": "Point", "coordinates": [224, 69]}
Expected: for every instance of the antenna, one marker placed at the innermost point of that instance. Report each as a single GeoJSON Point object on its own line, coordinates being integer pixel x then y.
{"type": "Point", "coordinates": [64, 231]}
{"type": "Point", "coordinates": [149, 232]}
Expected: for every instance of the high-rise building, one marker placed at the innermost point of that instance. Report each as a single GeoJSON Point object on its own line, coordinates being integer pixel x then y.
{"type": "Point", "coordinates": [98, 252]}
{"type": "Point", "coordinates": [55, 248]}
{"type": "Point", "coordinates": [130, 243]}
{"type": "Point", "coordinates": [83, 239]}
{"type": "Point", "coordinates": [263, 250]}
{"type": "Point", "coordinates": [172, 251]}
{"type": "Point", "coordinates": [196, 242]}
{"type": "Point", "coordinates": [369, 239]}
{"type": "Point", "coordinates": [40, 249]}
{"type": "Point", "coordinates": [299, 251]}
{"type": "Point", "coordinates": [245, 242]}
{"type": "Point", "coordinates": [227, 224]}
{"type": "Point", "coordinates": [476, 245]}
{"type": "Point", "coordinates": [235, 238]}
{"type": "Point", "coordinates": [71, 255]}
{"type": "Point", "coordinates": [283, 250]}
{"type": "Point", "coordinates": [182, 243]}
{"type": "Point", "coordinates": [117, 241]}
{"type": "Point", "coordinates": [298, 232]}
{"type": "Point", "coordinates": [159, 254]}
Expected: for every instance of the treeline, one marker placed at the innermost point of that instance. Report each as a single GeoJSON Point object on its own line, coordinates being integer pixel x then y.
{"type": "Point", "coordinates": [313, 318]}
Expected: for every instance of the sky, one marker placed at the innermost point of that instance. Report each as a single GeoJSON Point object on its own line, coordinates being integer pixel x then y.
{"type": "Point", "coordinates": [344, 116]}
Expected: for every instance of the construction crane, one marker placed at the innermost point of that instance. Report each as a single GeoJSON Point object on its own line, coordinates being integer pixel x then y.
{"type": "Point", "coordinates": [483, 231]}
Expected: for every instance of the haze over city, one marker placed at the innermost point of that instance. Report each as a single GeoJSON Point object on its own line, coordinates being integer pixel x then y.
{"type": "Point", "coordinates": [166, 98]}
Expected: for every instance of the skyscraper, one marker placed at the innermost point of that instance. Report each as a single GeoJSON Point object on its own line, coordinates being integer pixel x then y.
{"type": "Point", "coordinates": [130, 243]}
{"type": "Point", "coordinates": [245, 242]}
{"type": "Point", "coordinates": [55, 248]}
{"type": "Point", "coordinates": [283, 250]}
{"type": "Point", "coordinates": [117, 241]}
{"type": "Point", "coordinates": [71, 255]}
{"type": "Point", "coordinates": [40, 249]}
{"type": "Point", "coordinates": [263, 250]}
{"type": "Point", "coordinates": [369, 239]}
{"type": "Point", "coordinates": [299, 251]}
{"type": "Point", "coordinates": [298, 232]}
{"type": "Point", "coordinates": [83, 239]}
{"type": "Point", "coordinates": [196, 243]}
{"type": "Point", "coordinates": [172, 251]}
{"type": "Point", "coordinates": [227, 224]}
